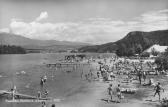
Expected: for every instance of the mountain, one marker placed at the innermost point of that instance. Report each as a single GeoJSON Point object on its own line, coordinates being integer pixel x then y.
{"type": "Point", "coordinates": [133, 43]}
{"type": "Point", "coordinates": [27, 43]}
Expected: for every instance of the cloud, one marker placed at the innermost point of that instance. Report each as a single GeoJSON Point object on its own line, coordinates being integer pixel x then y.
{"type": "Point", "coordinates": [43, 15]}
{"type": "Point", "coordinates": [6, 30]}
{"type": "Point", "coordinates": [154, 20]}
{"type": "Point", "coordinates": [93, 30]}
{"type": "Point", "coordinates": [154, 16]}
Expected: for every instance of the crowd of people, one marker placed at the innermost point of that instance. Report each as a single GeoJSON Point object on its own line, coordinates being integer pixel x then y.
{"type": "Point", "coordinates": [110, 68]}
{"type": "Point", "coordinates": [43, 91]}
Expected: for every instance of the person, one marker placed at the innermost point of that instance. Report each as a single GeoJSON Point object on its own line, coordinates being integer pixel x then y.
{"type": "Point", "coordinates": [44, 104]}
{"type": "Point", "coordinates": [139, 76]}
{"type": "Point", "coordinates": [98, 74]}
{"type": "Point", "coordinates": [46, 93]}
{"type": "Point", "coordinates": [118, 89]}
{"type": "Point", "coordinates": [13, 90]}
{"type": "Point", "coordinates": [111, 76]}
{"type": "Point", "coordinates": [144, 75]}
{"type": "Point", "coordinates": [91, 74]}
{"type": "Point", "coordinates": [86, 76]}
{"type": "Point", "coordinates": [151, 81]}
{"type": "Point", "coordinates": [110, 92]}
{"type": "Point", "coordinates": [45, 78]}
{"type": "Point", "coordinates": [42, 82]}
{"type": "Point", "coordinates": [157, 89]}
{"type": "Point", "coordinates": [39, 94]}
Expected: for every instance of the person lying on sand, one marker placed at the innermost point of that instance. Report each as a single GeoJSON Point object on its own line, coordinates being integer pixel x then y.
{"type": "Point", "coordinates": [150, 83]}
{"type": "Point", "coordinates": [157, 89]}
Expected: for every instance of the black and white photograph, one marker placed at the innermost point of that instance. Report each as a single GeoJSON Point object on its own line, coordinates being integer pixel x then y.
{"type": "Point", "coordinates": [83, 53]}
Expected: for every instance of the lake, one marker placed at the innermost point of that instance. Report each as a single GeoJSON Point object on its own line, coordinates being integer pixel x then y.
{"type": "Point", "coordinates": [25, 71]}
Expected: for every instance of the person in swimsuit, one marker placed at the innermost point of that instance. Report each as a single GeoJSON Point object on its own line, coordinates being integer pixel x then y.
{"type": "Point", "coordinates": [157, 89]}
{"type": "Point", "coordinates": [38, 94]}
{"type": "Point", "coordinates": [110, 92]}
{"type": "Point", "coordinates": [144, 75]}
{"type": "Point", "coordinates": [118, 89]}
{"type": "Point", "coordinates": [98, 74]}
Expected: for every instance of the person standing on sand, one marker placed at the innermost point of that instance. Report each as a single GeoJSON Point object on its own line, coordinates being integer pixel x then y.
{"type": "Point", "coordinates": [151, 81]}
{"type": "Point", "coordinates": [46, 93]}
{"type": "Point", "coordinates": [45, 78]}
{"type": "Point", "coordinates": [157, 89]}
{"type": "Point", "coordinates": [144, 75]}
{"type": "Point", "coordinates": [139, 76]}
{"type": "Point", "coordinates": [41, 82]}
{"type": "Point", "coordinates": [91, 74]}
{"type": "Point", "coordinates": [112, 75]}
{"type": "Point", "coordinates": [118, 89]}
{"type": "Point", "coordinates": [110, 92]}
{"type": "Point", "coordinates": [98, 74]}
{"type": "Point", "coordinates": [38, 94]}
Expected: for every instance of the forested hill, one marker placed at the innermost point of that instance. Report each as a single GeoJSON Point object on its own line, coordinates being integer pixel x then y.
{"type": "Point", "coordinates": [133, 43]}
{"type": "Point", "coordinates": [7, 49]}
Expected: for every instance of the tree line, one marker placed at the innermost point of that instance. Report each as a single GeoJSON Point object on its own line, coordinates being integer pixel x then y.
{"type": "Point", "coordinates": [11, 49]}
{"type": "Point", "coordinates": [162, 61]}
{"type": "Point", "coordinates": [129, 51]}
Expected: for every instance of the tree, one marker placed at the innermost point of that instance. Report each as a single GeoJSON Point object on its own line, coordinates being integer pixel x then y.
{"type": "Point", "coordinates": [162, 63]}
{"type": "Point", "coordinates": [166, 52]}
{"type": "Point", "coordinates": [138, 49]}
{"type": "Point", "coordinates": [7, 49]}
{"type": "Point", "coordinates": [154, 52]}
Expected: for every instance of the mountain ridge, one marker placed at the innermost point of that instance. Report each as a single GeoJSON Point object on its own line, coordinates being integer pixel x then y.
{"type": "Point", "coordinates": [18, 40]}
{"type": "Point", "coordinates": [134, 41]}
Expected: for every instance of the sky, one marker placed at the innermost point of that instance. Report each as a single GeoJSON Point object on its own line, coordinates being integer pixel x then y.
{"type": "Point", "coordinates": [89, 21]}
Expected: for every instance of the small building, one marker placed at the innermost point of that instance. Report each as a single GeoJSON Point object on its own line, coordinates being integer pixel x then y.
{"type": "Point", "coordinates": [157, 48]}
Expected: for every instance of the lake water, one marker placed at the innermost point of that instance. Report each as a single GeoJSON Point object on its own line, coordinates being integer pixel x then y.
{"type": "Point", "coordinates": [60, 84]}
